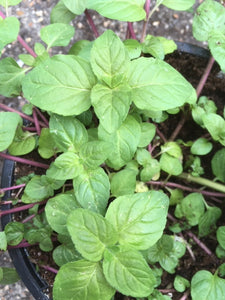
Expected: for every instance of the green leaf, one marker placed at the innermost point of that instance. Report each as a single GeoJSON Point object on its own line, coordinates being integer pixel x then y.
{"type": "Point", "coordinates": [24, 142]}
{"type": "Point", "coordinates": [206, 286]}
{"type": "Point", "coordinates": [192, 207]}
{"type": "Point", "coordinates": [95, 153]}
{"type": "Point", "coordinates": [41, 187]}
{"type": "Point", "coordinates": [148, 131]}
{"type": "Point", "coordinates": [133, 47]}
{"type": "Point", "coordinates": [220, 235]}
{"type": "Point", "coordinates": [66, 166]}
{"type": "Point", "coordinates": [91, 233]}
{"type": "Point", "coordinates": [28, 59]}
{"type": "Point", "coordinates": [11, 76]}
{"type": "Point", "coordinates": [158, 86]}
{"type": "Point", "coordinates": [139, 218]}
{"type": "Point", "coordinates": [111, 105]}
{"type": "Point", "coordinates": [8, 125]}
{"type": "Point", "coordinates": [215, 124]}
{"type": "Point", "coordinates": [82, 280]}
{"type": "Point", "coordinates": [61, 84]}
{"type": "Point", "coordinates": [46, 144]}
{"type": "Point", "coordinates": [170, 164]}
{"type": "Point", "coordinates": [173, 149]}
{"type": "Point", "coordinates": [91, 189]}
{"type": "Point", "coordinates": [3, 241]}
{"type": "Point", "coordinates": [75, 6]}
{"type": "Point", "coordinates": [207, 222]}
{"type": "Point", "coordinates": [220, 252]}
{"type": "Point", "coordinates": [127, 271]}
{"type": "Point", "coordinates": [58, 34]}
{"type": "Point", "coordinates": [57, 210]}
{"type": "Point", "coordinates": [123, 182]}
{"type": "Point", "coordinates": [82, 48]}
{"type": "Point", "coordinates": [209, 18]}
{"type": "Point", "coordinates": [9, 30]}
{"type": "Point", "coordinates": [122, 10]}
{"type": "Point", "coordinates": [151, 170]}
{"type": "Point", "coordinates": [203, 106]}
{"type": "Point", "coordinates": [218, 165]}
{"type": "Point", "coordinates": [65, 253]}
{"type": "Point", "coordinates": [181, 283]}
{"type": "Point", "coordinates": [217, 47]}
{"type": "Point", "coordinates": [61, 14]}
{"type": "Point", "coordinates": [143, 156]}
{"type": "Point", "coordinates": [14, 232]}
{"type": "Point", "coordinates": [158, 46]}
{"type": "Point", "coordinates": [9, 276]}
{"type": "Point", "coordinates": [156, 295]}
{"type": "Point", "coordinates": [109, 58]}
{"type": "Point", "coordinates": [179, 4]}
{"type": "Point", "coordinates": [39, 49]}
{"type": "Point", "coordinates": [68, 133]}
{"type": "Point", "coordinates": [42, 236]}
{"type": "Point", "coordinates": [5, 3]}
{"type": "Point", "coordinates": [201, 147]}
{"type": "Point", "coordinates": [167, 252]}
{"type": "Point", "coordinates": [124, 142]}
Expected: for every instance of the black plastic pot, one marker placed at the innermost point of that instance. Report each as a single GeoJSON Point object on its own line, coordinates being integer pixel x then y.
{"type": "Point", "coordinates": [20, 257]}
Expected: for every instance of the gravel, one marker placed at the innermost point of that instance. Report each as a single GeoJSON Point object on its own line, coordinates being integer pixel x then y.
{"type": "Point", "coordinates": [33, 15]}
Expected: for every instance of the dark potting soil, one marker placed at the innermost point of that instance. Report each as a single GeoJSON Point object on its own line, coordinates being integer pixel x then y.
{"type": "Point", "coordinates": [192, 69]}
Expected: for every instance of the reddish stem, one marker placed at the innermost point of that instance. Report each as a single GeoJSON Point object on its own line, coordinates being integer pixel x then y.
{"type": "Point", "coordinates": [21, 208]}
{"type": "Point", "coordinates": [49, 269]}
{"type": "Point", "coordinates": [21, 245]}
{"type": "Point", "coordinates": [36, 122]}
{"type": "Point", "coordinates": [26, 117]}
{"type": "Point", "coordinates": [200, 244]}
{"type": "Point", "coordinates": [185, 188]}
{"type": "Point", "coordinates": [205, 76]}
{"type": "Point", "coordinates": [24, 161]}
{"type": "Point", "coordinates": [161, 135]}
{"type": "Point", "coordinates": [41, 116]}
{"type": "Point", "coordinates": [3, 190]}
{"type": "Point", "coordinates": [21, 41]}
{"type": "Point", "coordinates": [165, 291]}
{"type": "Point", "coordinates": [178, 128]}
{"type": "Point", "coordinates": [144, 29]}
{"type": "Point", "coordinates": [185, 296]}
{"type": "Point", "coordinates": [91, 23]}
{"type": "Point", "coordinates": [131, 29]}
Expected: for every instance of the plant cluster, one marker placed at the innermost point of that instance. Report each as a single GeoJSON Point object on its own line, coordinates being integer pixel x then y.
{"type": "Point", "coordinates": [93, 116]}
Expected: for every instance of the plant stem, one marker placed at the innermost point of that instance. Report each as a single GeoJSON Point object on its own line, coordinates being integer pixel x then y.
{"type": "Point", "coordinates": [185, 188]}
{"type": "Point", "coordinates": [91, 23]}
{"type": "Point", "coordinates": [203, 181]}
{"type": "Point", "coordinates": [178, 128]}
{"type": "Point", "coordinates": [131, 29]}
{"type": "Point", "coordinates": [36, 123]}
{"type": "Point", "coordinates": [144, 29]}
{"type": "Point", "coordinates": [21, 245]}
{"type": "Point", "coordinates": [41, 116]}
{"type": "Point", "coordinates": [3, 190]}
{"type": "Point", "coordinates": [24, 161]}
{"type": "Point", "coordinates": [200, 244]}
{"type": "Point", "coordinates": [165, 291]}
{"type": "Point", "coordinates": [26, 117]}
{"type": "Point", "coordinates": [185, 296]}
{"type": "Point", "coordinates": [21, 208]}
{"type": "Point", "coordinates": [205, 76]}
{"type": "Point", "coordinates": [161, 135]}
{"type": "Point", "coordinates": [21, 41]}
{"type": "Point", "coordinates": [49, 269]}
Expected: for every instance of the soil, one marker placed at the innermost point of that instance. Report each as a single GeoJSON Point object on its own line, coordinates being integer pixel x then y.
{"type": "Point", "coordinates": [192, 68]}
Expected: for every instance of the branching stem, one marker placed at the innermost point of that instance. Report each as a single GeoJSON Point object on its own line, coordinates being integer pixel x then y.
{"type": "Point", "coordinates": [91, 23]}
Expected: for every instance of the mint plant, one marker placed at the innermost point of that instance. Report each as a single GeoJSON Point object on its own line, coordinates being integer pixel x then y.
{"type": "Point", "coordinates": [106, 198]}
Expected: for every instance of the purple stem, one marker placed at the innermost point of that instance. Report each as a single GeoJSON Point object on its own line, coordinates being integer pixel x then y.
{"type": "Point", "coordinates": [24, 161]}
{"type": "Point", "coordinates": [12, 188]}
{"type": "Point", "coordinates": [178, 128]}
{"type": "Point", "coordinates": [36, 122]}
{"type": "Point", "coordinates": [8, 202]}
{"type": "Point", "coordinates": [161, 135]}
{"type": "Point", "coordinates": [41, 116]}
{"type": "Point", "coordinates": [21, 208]}
{"type": "Point", "coordinates": [91, 23]}
{"type": "Point", "coordinates": [21, 245]}
{"type": "Point", "coordinates": [199, 243]}
{"type": "Point", "coordinates": [144, 29]}
{"type": "Point", "coordinates": [49, 269]}
{"type": "Point", "coordinates": [131, 29]}
{"type": "Point", "coordinates": [165, 291]}
{"type": "Point", "coordinates": [185, 296]}
{"type": "Point", "coordinates": [185, 188]}
{"type": "Point", "coordinates": [205, 76]}
{"type": "Point", "coordinates": [33, 129]}
{"type": "Point", "coordinates": [6, 108]}
{"type": "Point", "coordinates": [147, 7]}
{"type": "Point", "coordinates": [21, 41]}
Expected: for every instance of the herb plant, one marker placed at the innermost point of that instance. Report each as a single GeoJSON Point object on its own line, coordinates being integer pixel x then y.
{"type": "Point", "coordinates": [93, 118]}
